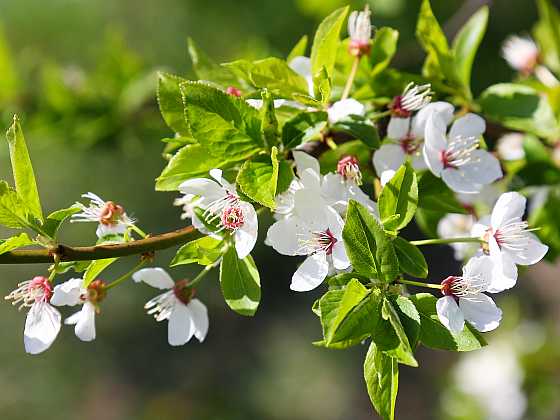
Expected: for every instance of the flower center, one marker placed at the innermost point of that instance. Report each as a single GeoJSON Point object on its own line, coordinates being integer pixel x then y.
{"type": "Point", "coordinates": [359, 48]}
{"type": "Point", "coordinates": [38, 289]}
{"type": "Point", "coordinates": [409, 144]}
{"type": "Point", "coordinates": [232, 218]}
{"type": "Point", "coordinates": [233, 91]}
{"type": "Point", "coordinates": [321, 241]}
{"type": "Point", "coordinates": [95, 292]}
{"type": "Point", "coordinates": [463, 287]}
{"type": "Point", "coordinates": [349, 168]}
{"type": "Point", "coordinates": [398, 109]}
{"type": "Point", "coordinates": [110, 214]}
{"type": "Point", "coordinates": [512, 235]}
{"type": "Point", "coordinates": [183, 291]}
{"type": "Point", "coordinates": [459, 152]}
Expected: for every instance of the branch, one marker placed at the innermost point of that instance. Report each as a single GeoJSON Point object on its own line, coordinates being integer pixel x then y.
{"type": "Point", "coordinates": [99, 252]}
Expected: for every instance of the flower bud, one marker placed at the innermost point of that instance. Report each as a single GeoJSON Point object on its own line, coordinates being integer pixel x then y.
{"type": "Point", "coordinates": [233, 91]}
{"type": "Point", "coordinates": [349, 168]}
{"type": "Point", "coordinates": [521, 53]}
{"type": "Point", "coordinates": [359, 29]}
{"type": "Point", "coordinates": [96, 291]}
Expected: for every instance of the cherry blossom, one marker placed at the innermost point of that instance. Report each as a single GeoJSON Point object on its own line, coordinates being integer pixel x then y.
{"type": "Point", "coordinates": [186, 316]}
{"type": "Point", "coordinates": [510, 146]}
{"type": "Point", "coordinates": [521, 53]}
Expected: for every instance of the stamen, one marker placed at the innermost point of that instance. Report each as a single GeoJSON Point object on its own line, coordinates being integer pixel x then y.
{"type": "Point", "coordinates": [161, 306]}
{"type": "Point", "coordinates": [463, 287]}
{"type": "Point", "coordinates": [459, 152]}
{"type": "Point", "coordinates": [320, 241]}
{"type": "Point", "coordinates": [349, 168]}
{"type": "Point", "coordinates": [512, 235]}
{"type": "Point", "coordinates": [38, 289]}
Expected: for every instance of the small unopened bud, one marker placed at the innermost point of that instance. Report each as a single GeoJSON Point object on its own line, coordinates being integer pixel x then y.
{"type": "Point", "coordinates": [233, 91]}
{"type": "Point", "coordinates": [359, 29]}
{"type": "Point", "coordinates": [521, 53]}
{"type": "Point", "coordinates": [183, 291]}
{"type": "Point", "coordinates": [349, 168]}
{"type": "Point", "coordinates": [96, 291]}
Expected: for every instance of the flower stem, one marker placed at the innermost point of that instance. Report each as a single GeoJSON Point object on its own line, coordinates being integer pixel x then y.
{"type": "Point", "coordinates": [419, 284]}
{"type": "Point", "coordinates": [351, 78]}
{"type": "Point", "coordinates": [440, 241]}
{"type": "Point", "coordinates": [139, 231]}
{"type": "Point", "coordinates": [127, 275]}
{"type": "Point", "coordinates": [201, 275]}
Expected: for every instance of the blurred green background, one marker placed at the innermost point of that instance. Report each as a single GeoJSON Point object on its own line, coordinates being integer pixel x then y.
{"type": "Point", "coordinates": [82, 76]}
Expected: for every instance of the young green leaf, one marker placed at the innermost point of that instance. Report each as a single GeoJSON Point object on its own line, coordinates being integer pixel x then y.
{"type": "Point", "coordinates": [275, 75]}
{"type": "Point", "coordinates": [399, 196]}
{"type": "Point", "coordinates": [14, 242]}
{"type": "Point", "coordinates": [13, 211]}
{"type": "Point", "coordinates": [304, 127]}
{"type": "Point", "coordinates": [409, 317]}
{"type": "Point", "coordinates": [95, 269]}
{"type": "Point", "coordinates": [383, 49]}
{"type": "Point", "coordinates": [241, 284]}
{"type": "Point", "coordinates": [298, 50]}
{"type": "Point", "coordinates": [369, 249]}
{"type": "Point", "coordinates": [285, 176]}
{"type": "Point", "coordinates": [322, 86]}
{"type": "Point", "coordinates": [411, 259]}
{"type": "Point", "coordinates": [225, 125]}
{"type": "Point", "coordinates": [24, 177]}
{"type": "Point", "coordinates": [269, 123]}
{"type": "Point", "coordinates": [360, 129]}
{"type": "Point", "coordinates": [190, 161]}
{"type": "Point", "coordinates": [466, 44]}
{"type": "Point", "coordinates": [203, 251]}
{"type": "Point", "coordinates": [381, 373]}
{"type": "Point", "coordinates": [435, 335]}
{"type": "Point", "coordinates": [258, 178]}
{"type": "Point", "coordinates": [57, 218]}
{"type": "Point", "coordinates": [170, 103]}
{"type": "Point", "coordinates": [548, 34]}
{"type": "Point", "coordinates": [326, 41]}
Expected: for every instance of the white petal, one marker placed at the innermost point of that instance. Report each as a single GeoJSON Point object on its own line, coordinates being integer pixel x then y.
{"type": "Point", "coordinates": [334, 222]}
{"type": "Point", "coordinates": [199, 318]}
{"type": "Point", "coordinates": [67, 293]}
{"type": "Point", "coordinates": [106, 230]}
{"type": "Point", "coordinates": [479, 229]}
{"type": "Point", "coordinates": [310, 208]}
{"type": "Point", "coordinates": [180, 328]}
{"type": "Point", "coordinates": [305, 161]}
{"type": "Point", "coordinates": [484, 167]}
{"type": "Point", "coordinates": [418, 162]}
{"type": "Point", "coordinates": [335, 190]}
{"type": "Point", "coordinates": [246, 235]}
{"type": "Point", "coordinates": [311, 273]}
{"type": "Point", "coordinates": [481, 269]}
{"type": "Point", "coordinates": [208, 189]}
{"type": "Point", "coordinates": [42, 325]}
{"type": "Point", "coordinates": [339, 256]}
{"type": "Point", "coordinates": [156, 277]}
{"type": "Point", "coordinates": [255, 103]}
{"type": "Point", "coordinates": [388, 157]}
{"type": "Point", "coordinates": [444, 109]}
{"type": "Point", "coordinates": [435, 133]}
{"type": "Point", "coordinates": [534, 252]}
{"type": "Point", "coordinates": [449, 314]}
{"type": "Point", "coordinates": [301, 65]}
{"type": "Point", "coordinates": [356, 193]}
{"type": "Point", "coordinates": [469, 125]}
{"type": "Point", "coordinates": [283, 236]}
{"type": "Point", "coordinates": [398, 128]}
{"type": "Point", "coordinates": [85, 327]}
{"type": "Point", "coordinates": [509, 206]}
{"type": "Point", "coordinates": [481, 311]}
{"type": "Point", "coordinates": [386, 176]}
{"type": "Point", "coordinates": [432, 157]}
{"type": "Point", "coordinates": [344, 108]}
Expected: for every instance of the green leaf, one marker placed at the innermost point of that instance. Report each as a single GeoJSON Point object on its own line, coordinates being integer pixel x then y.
{"type": "Point", "coordinates": [203, 251]}
{"type": "Point", "coordinates": [360, 129]}
{"type": "Point", "coordinates": [242, 70]}
{"type": "Point", "coordinates": [381, 374]}
{"type": "Point", "coordinates": [368, 247]}
{"type": "Point", "coordinates": [435, 195]}
{"type": "Point", "coordinates": [95, 269]}
{"type": "Point", "coordinates": [391, 337]}
{"type": "Point", "coordinates": [206, 69]}
{"type": "Point", "coordinates": [298, 50]}
{"type": "Point", "coordinates": [409, 317]}
{"type": "Point", "coordinates": [326, 41]}
{"type": "Point", "coordinates": [383, 49]}
{"type": "Point", "coordinates": [269, 123]}
{"type": "Point", "coordinates": [225, 125]}
{"type": "Point", "coordinates": [411, 259]}
{"type": "Point", "coordinates": [275, 75]}
{"type": "Point", "coordinates": [285, 176]}
{"type": "Point", "coordinates": [14, 242]}
{"type": "Point", "coordinates": [435, 335]}
{"type": "Point", "coordinates": [520, 107]}
{"type": "Point", "coordinates": [56, 218]}
{"type": "Point", "coordinates": [258, 178]}
{"type": "Point", "coordinates": [399, 196]}
{"type": "Point", "coordinates": [241, 284]}
{"type": "Point", "coordinates": [549, 29]}
{"type": "Point", "coordinates": [466, 43]}
{"type": "Point", "coordinates": [22, 169]}
{"type": "Point", "coordinates": [545, 217]}
{"type": "Point", "coordinates": [13, 211]}
{"type": "Point", "coordinates": [304, 127]}
{"type": "Point", "coordinates": [170, 102]}
{"type": "Point", "coordinates": [322, 86]}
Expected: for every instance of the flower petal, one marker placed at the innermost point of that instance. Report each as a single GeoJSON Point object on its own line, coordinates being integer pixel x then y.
{"type": "Point", "coordinates": [484, 167]}
{"type": "Point", "coordinates": [432, 157]}
{"type": "Point", "coordinates": [246, 235]}
{"type": "Point", "coordinates": [435, 133]}
{"type": "Point", "coordinates": [532, 254]}
{"type": "Point", "coordinates": [67, 293]}
{"type": "Point", "coordinates": [398, 128]}
{"type": "Point", "coordinates": [469, 125]}
{"type": "Point", "coordinates": [305, 161]}
{"type": "Point", "coordinates": [504, 274]}
{"type": "Point", "coordinates": [283, 236]}
{"type": "Point", "coordinates": [42, 325]}
{"type": "Point", "coordinates": [449, 314]}
{"type": "Point", "coordinates": [443, 109]}
{"type": "Point", "coordinates": [481, 311]}
{"type": "Point", "coordinates": [180, 328]}
{"type": "Point", "coordinates": [199, 318]}
{"type": "Point", "coordinates": [388, 157]}
{"type": "Point", "coordinates": [311, 273]}
{"type": "Point", "coordinates": [85, 325]}
{"type": "Point", "coordinates": [339, 256]}
{"type": "Point", "coordinates": [344, 108]}
{"type": "Point", "coordinates": [208, 189]}
{"type": "Point", "coordinates": [156, 277]}
{"type": "Point", "coordinates": [481, 269]}
{"type": "Point", "coordinates": [510, 205]}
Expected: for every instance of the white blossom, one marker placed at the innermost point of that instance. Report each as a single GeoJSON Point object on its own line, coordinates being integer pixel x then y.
{"type": "Point", "coordinates": [342, 109]}
{"type": "Point", "coordinates": [508, 240]}
{"type": "Point", "coordinates": [464, 298]}
{"type": "Point", "coordinates": [456, 156]}
{"type": "Point", "coordinates": [43, 322]}
{"type": "Point", "coordinates": [220, 205]}
{"type": "Point", "coordinates": [521, 53]}
{"type": "Point", "coordinates": [186, 316]}
{"type": "Point", "coordinates": [360, 31]}
{"type": "Point", "coordinates": [510, 146]}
